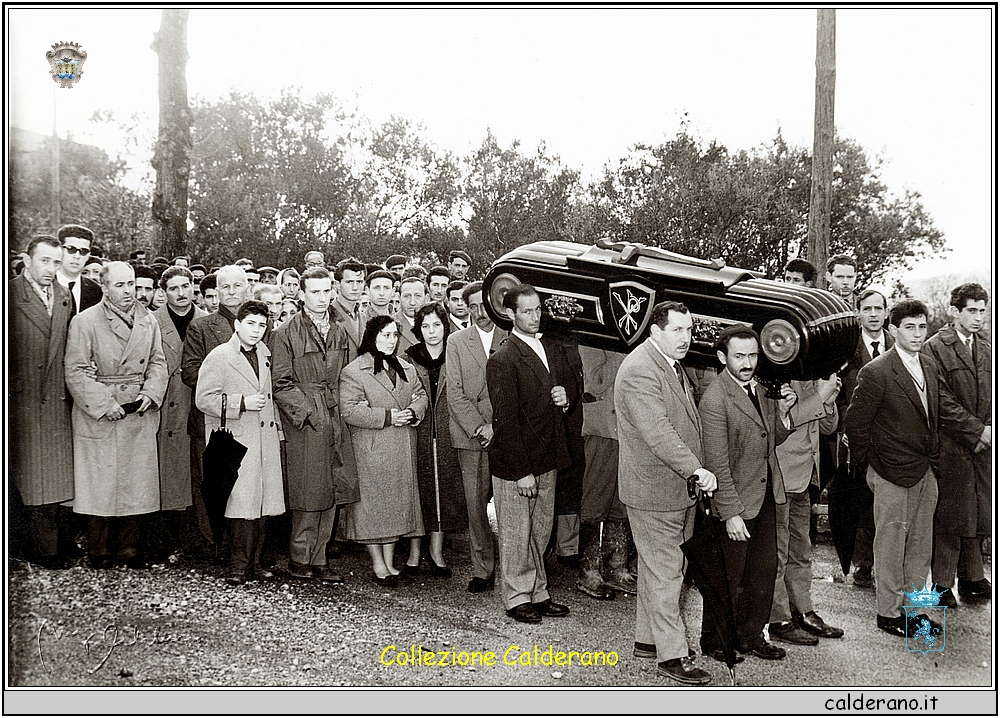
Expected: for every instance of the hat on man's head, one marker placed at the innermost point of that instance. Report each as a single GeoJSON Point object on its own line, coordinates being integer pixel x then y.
{"type": "Point", "coordinates": [74, 230]}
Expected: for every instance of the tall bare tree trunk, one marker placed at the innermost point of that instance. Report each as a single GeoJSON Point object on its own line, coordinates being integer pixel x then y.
{"type": "Point", "coordinates": [821, 195]}
{"type": "Point", "coordinates": [172, 156]}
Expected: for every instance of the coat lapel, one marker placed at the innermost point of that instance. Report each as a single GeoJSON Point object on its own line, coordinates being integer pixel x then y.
{"type": "Point", "coordinates": [241, 365]}
{"type": "Point", "coordinates": [171, 339]}
{"type": "Point", "coordinates": [141, 327]}
{"type": "Point", "coordinates": [930, 381]}
{"type": "Point", "coordinates": [742, 400]}
{"type": "Point", "coordinates": [531, 359]}
{"type": "Point", "coordinates": [476, 348]}
{"type": "Point", "coordinates": [904, 380]}
{"type": "Point", "coordinates": [33, 307]}
{"type": "Point", "coordinates": [61, 314]}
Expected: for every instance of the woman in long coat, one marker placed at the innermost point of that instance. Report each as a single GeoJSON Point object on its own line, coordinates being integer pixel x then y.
{"type": "Point", "coordinates": [381, 400]}
{"type": "Point", "coordinates": [439, 476]}
{"type": "Point", "coordinates": [258, 491]}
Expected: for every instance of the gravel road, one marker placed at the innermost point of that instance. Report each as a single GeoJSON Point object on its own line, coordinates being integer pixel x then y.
{"type": "Point", "coordinates": [182, 625]}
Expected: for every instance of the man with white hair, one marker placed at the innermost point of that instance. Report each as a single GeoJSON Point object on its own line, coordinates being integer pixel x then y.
{"type": "Point", "coordinates": [117, 374]}
{"type": "Point", "coordinates": [203, 335]}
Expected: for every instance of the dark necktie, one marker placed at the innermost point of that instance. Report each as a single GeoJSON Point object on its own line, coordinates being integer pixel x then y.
{"type": "Point", "coordinates": [972, 347]}
{"type": "Point", "coordinates": [875, 351]}
{"type": "Point", "coordinates": [72, 299]}
{"type": "Point", "coordinates": [753, 398]}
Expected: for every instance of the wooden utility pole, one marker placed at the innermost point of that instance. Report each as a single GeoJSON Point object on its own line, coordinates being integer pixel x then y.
{"type": "Point", "coordinates": [172, 155]}
{"type": "Point", "coordinates": [821, 194]}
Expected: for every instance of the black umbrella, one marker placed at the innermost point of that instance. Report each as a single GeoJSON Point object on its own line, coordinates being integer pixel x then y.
{"type": "Point", "coordinates": [848, 499]}
{"type": "Point", "coordinates": [707, 568]}
{"type": "Point", "coordinates": [221, 465]}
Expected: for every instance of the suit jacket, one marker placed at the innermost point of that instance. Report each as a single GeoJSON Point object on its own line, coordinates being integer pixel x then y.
{"type": "Point", "coordinates": [798, 455]}
{"type": "Point", "coordinates": [849, 374]}
{"type": "Point", "coordinates": [600, 368]}
{"type": "Point", "coordinates": [659, 433]}
{"type": "Point", "coordinates": [964, 507]}
{"type": "Point", "coordinates": [469, 404]}
{"type": "Point", "coordinates": [406, 336]}
{"type": "Point", "coordinates": [90, 293]}
{"type": "Point", "coordinates": [42, 451]}
{"type": "Point", "coordinates": [455, 326]}
{"type": "Point", "coordinates": [529, 432]}
{"type": "Point", "coordinates": [355, 332]}
{"type": "Point", "coordinates": [886, 423]}
{"type": "Point", "coordinates": [739, 447]}
{"type": "Point", "coordinates": [203, 335]}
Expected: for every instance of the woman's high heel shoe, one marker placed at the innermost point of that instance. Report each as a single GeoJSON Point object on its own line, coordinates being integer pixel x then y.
{"type": "Point", "coordinates": [440, 571]}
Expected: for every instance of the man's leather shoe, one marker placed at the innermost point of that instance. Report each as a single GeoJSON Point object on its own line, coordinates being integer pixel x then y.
{"type": "Point", "coordinates": [815, 625]}
{"type": "Point", "coordinates": [863, 576]}
{"type": "Point", "coordinates": [524, 613]}
{"type": "Point", "coordinates": [327, 574]}
{"type": "Point", "coordinates": [683, 671]}
{"type": "Point", "coordinates": [895, 626]}
{"type": "Point", "coordinates": [551, 609]}
{"type": "Point", "coordinates": [948, 599]}
{"type": "Point", "coordinates": [101, 562]}
{"type": "Point", "coordinates": [719, 655]}
{"type": "Point", "coordinates": [481, 585]}
{"type": "Point", "coordinates": [236, 579]}
{"type": "Point", "coordinates": [644, 650]}
{"type": "Point", "coordinates": [788, 632]}
{"type": "Point", "coordinates": [975, 589]}
{"type": "Point", "coordinates": [301, 571]}
{"type": "Point", "coordinates": [264, 574]}
{"type": "Point", "coordinates": [765, 650]}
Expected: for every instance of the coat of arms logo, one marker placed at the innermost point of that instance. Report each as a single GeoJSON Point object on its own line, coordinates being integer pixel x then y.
{"type": "Point", "coordinates": [631, 304]}
{"type": "Point", "coordinates": [66, 60]}
{"type": "Point", "coordinates": [924, 634]}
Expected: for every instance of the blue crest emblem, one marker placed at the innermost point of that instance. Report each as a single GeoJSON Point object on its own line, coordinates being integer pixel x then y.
{"type": "Point", "coordinates": [925, 634]}
{"type": "Point", "coordinates": [66, 62]}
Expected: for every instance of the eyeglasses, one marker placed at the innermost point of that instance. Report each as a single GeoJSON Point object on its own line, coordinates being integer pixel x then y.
{"type": "Point", "coordinates": [76, 250]}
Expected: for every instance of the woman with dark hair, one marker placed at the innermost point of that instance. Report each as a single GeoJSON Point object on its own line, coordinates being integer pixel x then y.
{"type": "Point", "coordinates": [442, 495]}
{"type": "Point", "coordinates": [382, 401]}
{"type": "Point", "coordinates": [288, 281]}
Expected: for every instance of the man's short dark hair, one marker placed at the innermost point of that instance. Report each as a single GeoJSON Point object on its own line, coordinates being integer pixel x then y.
{"type": "Point", "coordinates": [93, 260]}
{"type": "Point", "coordinates": [395, 260]}
{"type": "Point", "coordinates": [379, 274]}
{"type": "Point", "coordinates": [801, 266]}
{"type": "Point", "coordinates": [905, 309]}
{"type": "Point", "coordinates": [459, 254]}
{"type": "Point", "coordinates": [432, 308]}
{"type": "Point", "coordinates": [965, 293]}
{"type": "Point", "coordinates": [42, 239]}
{"type": "Point", "coordinates": [845, 259]}
{"type": "Point", "coordinates": [515, 293]}
{"type": "Point", "coordinates": [171, 272]}
{"type": "Point", "coordinates": [352, 264]}
{"type": "Point", "coordinates": [456, 285]}
{"type": "Point", "coordinates": [158, 268]}
{"type": "Point", "coordinates": [413, 270]}
{"type": "Point", "coordinates": [74, 230]}
{"type": "Point", "coordinates": [870, 292]}
{"type": "Point", "coordinates": [208, 282]}
{"type": "Point", "coordinates": [438, 271]}
{"type": "Point", "coordinates": [313, 273]}
{"type": "Point", "coordinates": [144, 271]}
{"type": "Point", "coordinates": [252, 307]}
{"type": "Point", "coordinates": [734, 331]}
{"type": "Point", "coordinates": [659, 315]}
{"type": "Point", "coordinates": [160, 260]}
{"type": "Point", "coordinates": [470, 289]}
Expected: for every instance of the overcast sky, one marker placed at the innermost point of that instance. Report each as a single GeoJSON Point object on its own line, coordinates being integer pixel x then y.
{"type": "Point", "coordinates": [915, 85]}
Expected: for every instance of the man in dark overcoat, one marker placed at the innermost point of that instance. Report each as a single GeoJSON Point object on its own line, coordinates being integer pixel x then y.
{"type": "Point", "coordinates": [42, 456]}
{"type": "Point", "coordinates": [964, 512]}
{"type": "Point", "coordinates": [309, 350]}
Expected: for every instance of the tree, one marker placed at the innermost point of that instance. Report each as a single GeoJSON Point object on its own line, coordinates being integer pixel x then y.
{"type": "Point", "coordinates": [266, 183]}
{"type": "Point", "coordinates": [172, 158]}
{"type": "Point", "coordinates": [751, 208]}
{"type": "Point", "coordinates": [515, 198]}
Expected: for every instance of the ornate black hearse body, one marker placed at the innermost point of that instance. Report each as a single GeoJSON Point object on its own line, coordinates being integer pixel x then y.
{"type": "Point", "coordinates": [603, 296]}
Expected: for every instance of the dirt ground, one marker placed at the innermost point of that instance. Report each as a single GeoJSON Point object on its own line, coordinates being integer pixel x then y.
{"type": "Point", "coordinates": [182, 625]}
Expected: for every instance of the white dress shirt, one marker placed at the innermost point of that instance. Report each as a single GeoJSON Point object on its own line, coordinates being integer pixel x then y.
{"type": "Point", "coordinates": [869, 341]}
{"type": "Point", "coordinates": [486, 338]}
{"type": "Point", "coordinates": [533, 341]}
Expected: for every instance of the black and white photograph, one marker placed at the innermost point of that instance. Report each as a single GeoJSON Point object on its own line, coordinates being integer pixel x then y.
{"type": "Point", "coordinates": [509, 358]}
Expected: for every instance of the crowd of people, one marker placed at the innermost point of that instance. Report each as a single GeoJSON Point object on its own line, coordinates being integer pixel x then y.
{"type": "Point", "coordinates": [380, 403]}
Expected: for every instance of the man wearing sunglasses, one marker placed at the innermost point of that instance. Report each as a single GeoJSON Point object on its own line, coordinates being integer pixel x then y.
{"type": "Point", "coordinates": [84, 292]}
